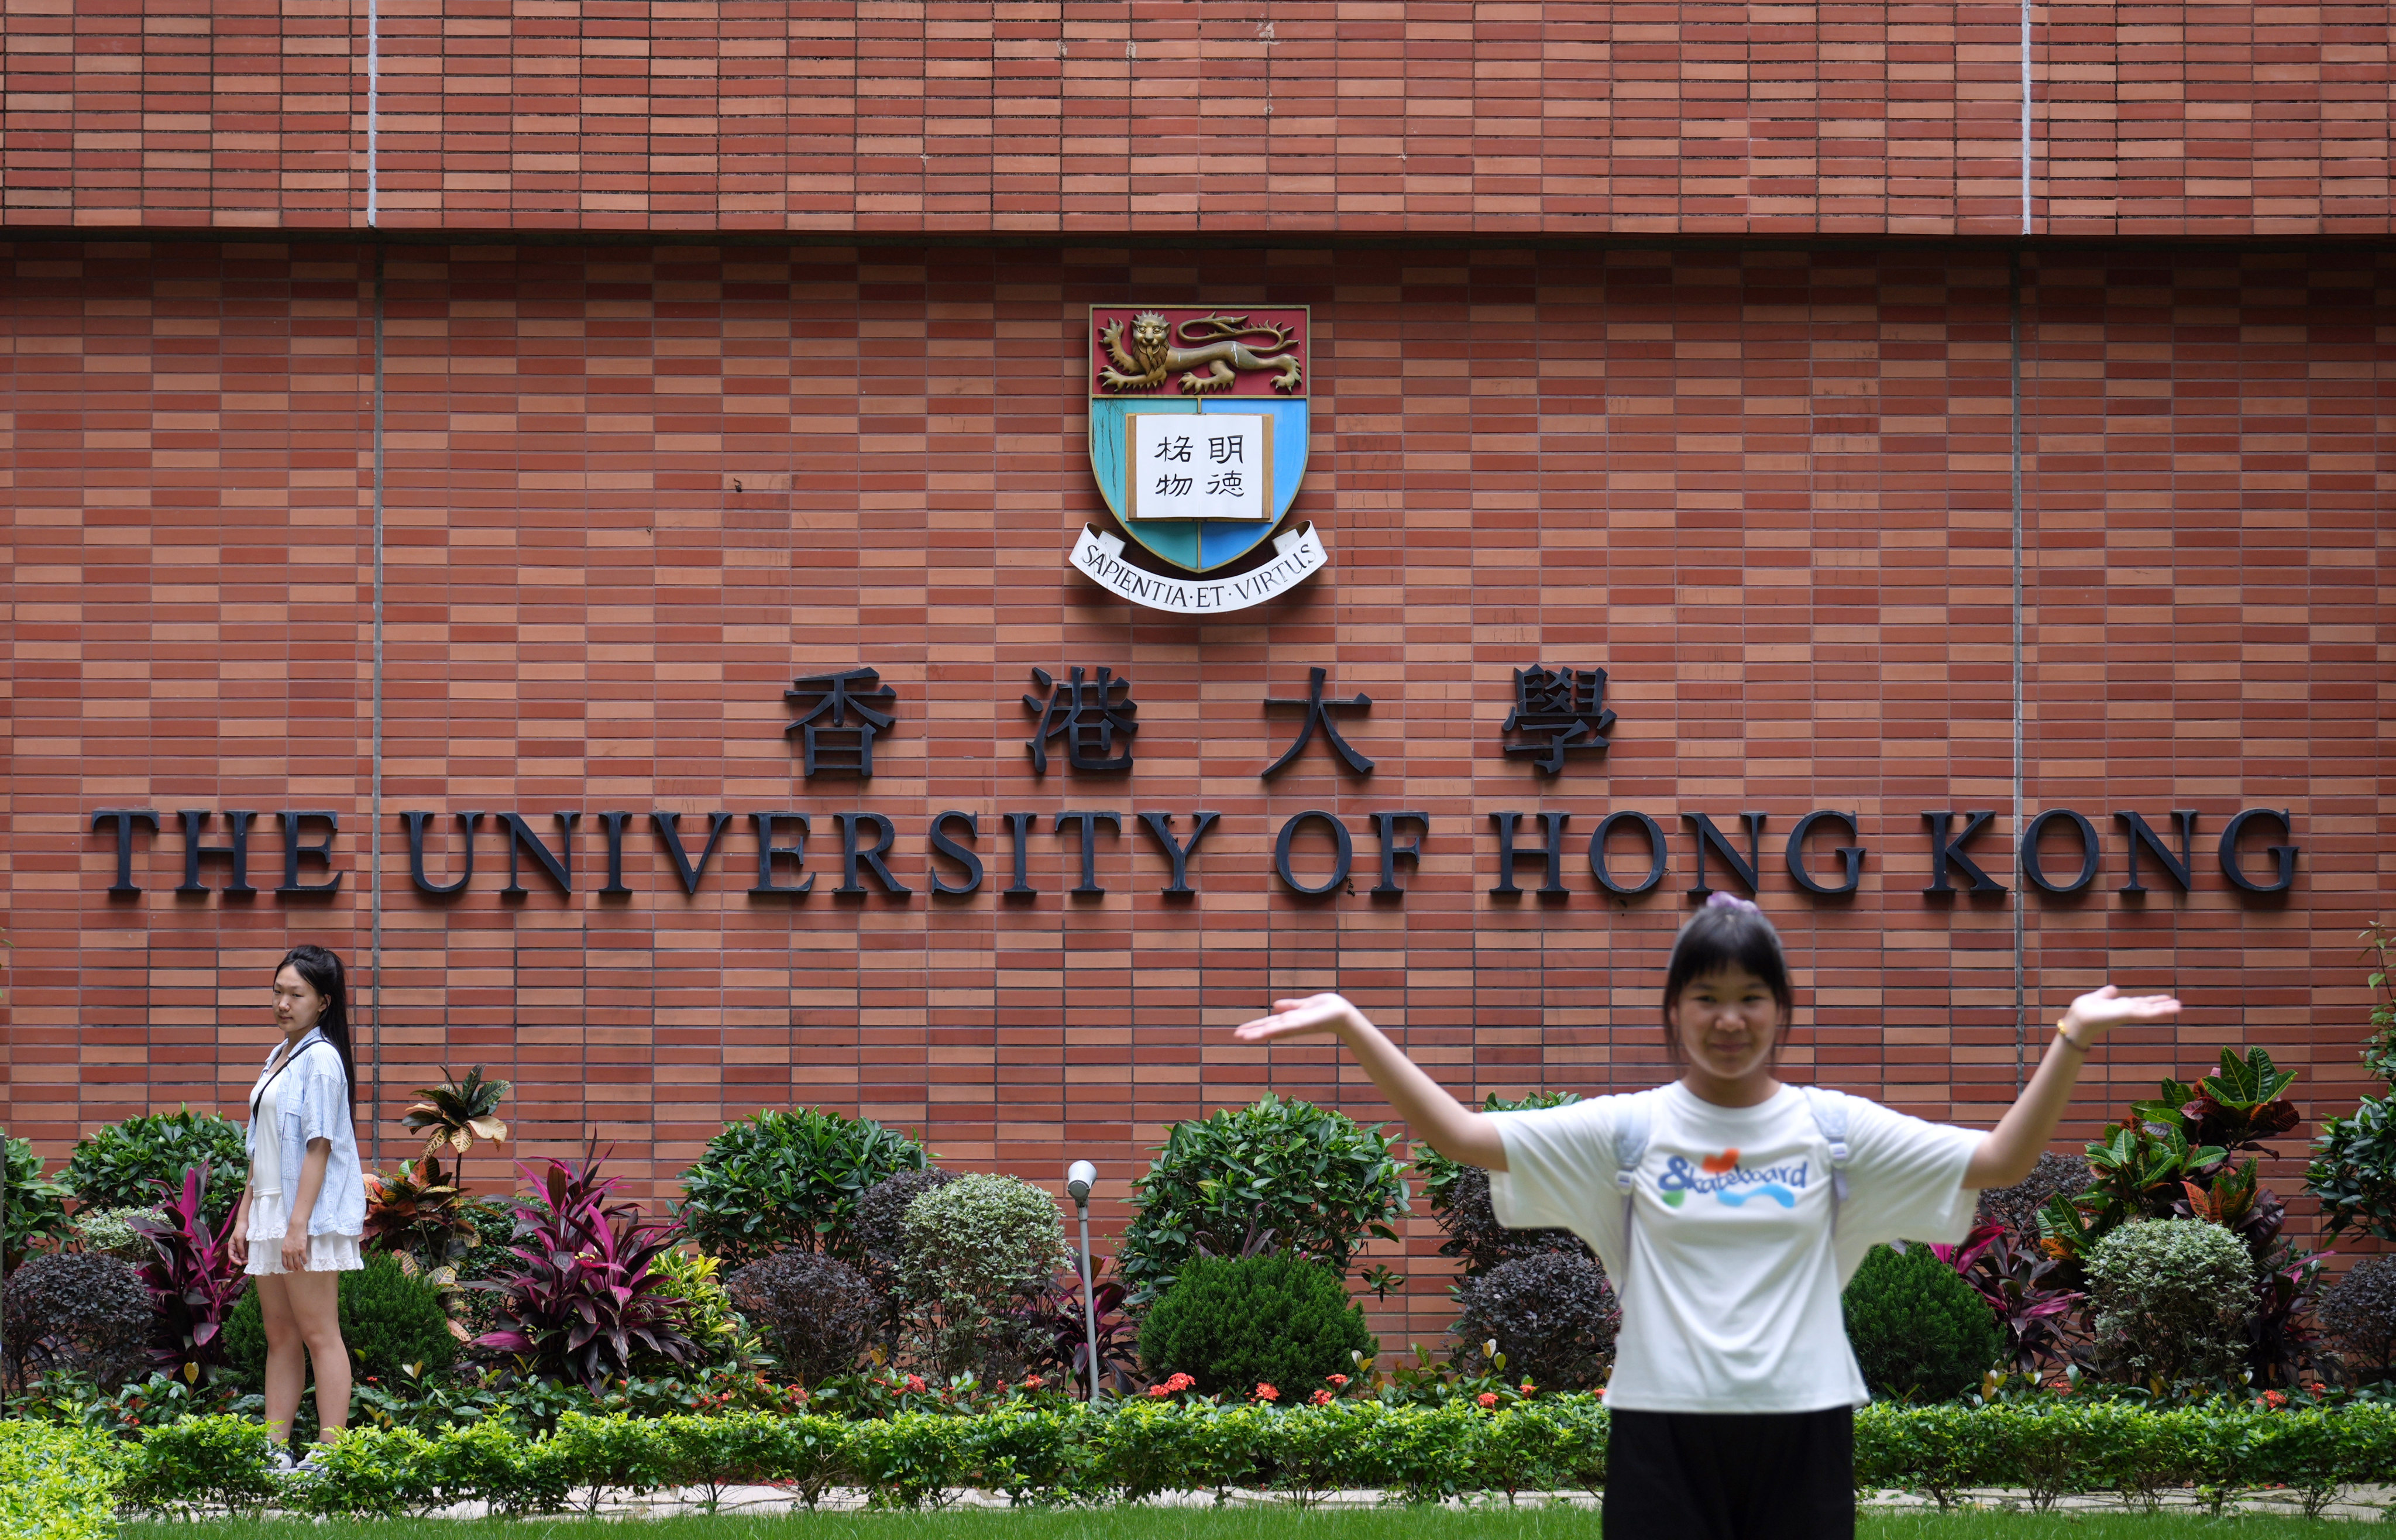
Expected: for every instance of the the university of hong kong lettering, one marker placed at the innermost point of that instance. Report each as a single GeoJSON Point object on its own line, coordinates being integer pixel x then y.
{"type": "Point", "coordinates": [1626, 852]}
{"type": "Point", "coordinates": [1198, 440]}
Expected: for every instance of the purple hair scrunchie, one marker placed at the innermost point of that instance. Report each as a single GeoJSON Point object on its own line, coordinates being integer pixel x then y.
{"type": "Point", "coordinates": [1719, 899]}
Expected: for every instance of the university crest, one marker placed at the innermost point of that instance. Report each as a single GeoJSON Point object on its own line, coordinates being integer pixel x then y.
{"type": "Point", "coordinates": [1198, 438]}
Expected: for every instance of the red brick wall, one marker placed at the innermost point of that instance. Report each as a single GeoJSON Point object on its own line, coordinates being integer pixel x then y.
{"type": "Point", "coordinates": [1769, 491]}
{"type": "Point", "coordinates": [1163, 116]}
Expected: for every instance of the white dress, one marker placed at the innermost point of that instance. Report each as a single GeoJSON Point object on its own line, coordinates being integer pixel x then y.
{"type": "Point", "coordinates": [270, 1209]}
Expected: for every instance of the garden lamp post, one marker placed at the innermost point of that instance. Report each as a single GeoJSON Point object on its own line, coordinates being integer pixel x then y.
{"type": "Point", "coordinates": [1078, 1177]}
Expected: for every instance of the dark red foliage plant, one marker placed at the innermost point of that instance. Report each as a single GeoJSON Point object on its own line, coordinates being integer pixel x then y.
{"type": "Point", "coordinates": [192, 1283]}
{"type": "Point", "coordinates": [585, 1302]}
{"type": "Point", "coordinates": [2017, 1278]}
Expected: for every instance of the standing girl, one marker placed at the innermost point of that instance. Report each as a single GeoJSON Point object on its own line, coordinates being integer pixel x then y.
{"type": "Point", "coordinates": [1730, 1209]}
{"type": "Point", "coordinates": [300, 1217]}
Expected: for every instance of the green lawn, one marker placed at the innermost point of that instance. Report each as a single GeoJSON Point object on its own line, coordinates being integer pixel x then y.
{"type": "Point", "coordinates": [1239, 1523]}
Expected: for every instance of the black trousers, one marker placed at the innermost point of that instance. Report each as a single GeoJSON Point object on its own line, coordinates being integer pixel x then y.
{"type": "Point", "coordinates": [1702, 1475]}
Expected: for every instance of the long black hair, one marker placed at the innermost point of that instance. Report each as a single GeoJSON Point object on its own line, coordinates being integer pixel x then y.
{"type": "Point", "coordinates": [323, 971]}
{"type": "Point", "coordinates": [1727, 933]}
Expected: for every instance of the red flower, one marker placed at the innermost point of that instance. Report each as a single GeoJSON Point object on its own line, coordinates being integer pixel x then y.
{"type": "Point", "coordinates": [1336, 1379]}
{"type": "Point", "coordinates": [1032, 1381]}
{"type": "Point", "coordinates": [1527, 1387]}
{"type": "Point", "coordinates": [2272, 1398]}
{"type": "Point", "coordinates": [1321, 1398]}
{"type": "Point", "coordinates": [1160, 1391]}
{"type": "Point", "coordinates": [914, 1385]}
{"type": "Point", "coordinates": [1267, 1393]}
{"type": "Point", "coordinates": [1487, 1397]}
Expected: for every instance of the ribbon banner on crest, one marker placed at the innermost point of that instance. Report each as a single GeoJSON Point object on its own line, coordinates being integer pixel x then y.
{"type": "Point", "coordinates": [1297, 555]}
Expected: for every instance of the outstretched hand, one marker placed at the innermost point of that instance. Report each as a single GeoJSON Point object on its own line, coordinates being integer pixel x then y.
{"type": "Point", "coordinates": [2101, 1010]}
{"type": "Point", "coordinates": [1290, 1018]}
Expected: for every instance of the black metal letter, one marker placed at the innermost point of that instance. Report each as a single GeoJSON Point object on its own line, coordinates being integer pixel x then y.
{"type": "Point", "coordinates": [2285, 854]}
{"type": "Point", "coordinates": [467, 824]}
{"type": "Point", "coordinates": [1553, 849]}
{"type": "Point", "coordinates": [1160, 825]}
{"type": "Point", "coordinates": [2140, 834]}
{"type": "Point", "coordinates": [1346, 847]}
{"type": "Point", "coordinates": [1944, 850]}
{"type": "Point", "coordinates": [237, 852]}
{"type": "Point", "coordinates": [2090, 857]}
{"type": "Point", "coordinates": [1708, 835]}
{"type": "Point", "coordinates": [1018, 828]}
{"type": "Point", "coordinates": [886, 834]}
{"type": "Point", "coordinates": [125, 819]}
{"type": "Point", "coordinates": [768, 850]}
{"type": "Point", "coordinates": [1852, 856]}
{"type": "Point", "coordinates": [943, 845]}
{"type": "Point", "coordinates": [684, 869]}
{"type": "Point", "coordinates": [293, 850]}
{"type": "Point", "coordinates": [1089, 819]}
{"type": "Point", "coordinates": [614, 824]}
{"type": "Point", "coordinates": [1605, 827]}
{"type": "Point", "coordinates": [560, 866]}
{"type": "Point", "coordinates": [1385, 828]}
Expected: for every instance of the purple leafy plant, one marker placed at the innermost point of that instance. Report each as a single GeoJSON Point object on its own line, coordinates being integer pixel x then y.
{"type": "Point", "coordinates": [193, 1284]}
{"type": "Point", "coordinates": [2013, 1276]}
{"type": "Point", "coordinates": [585, 1298]}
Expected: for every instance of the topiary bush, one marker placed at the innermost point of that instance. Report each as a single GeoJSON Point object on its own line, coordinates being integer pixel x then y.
{"type": "Point", "coordinates": [128, 1164]}
{"type": "Point", "coordinates": [973, 1253]}
{"type": "Point", "coordinates": [817, 1314]}
{"type": "Point", "coordinates": [2172, 1298]}
{"type": "Point", "coordinates": [78, 1311]}
{"type": "Point", "coordinates": [1285, 1175]}
{"type": "Point", "coordinates": [1234, 1322]}
{"type": "Point", "coordinates": [2016, 1207]}
{"type": "Point", "coordinates": [882, 1215]}
{"type": "Point", "coordinates": [1553, 1315]}
{"type": "Point", "coordinates": [789, 1179]}
{"type": "Point", "coordinates": [389, 1321]}
{"type": "Point", "coordinates": [2360, 1315]}
{"type": "Point", "coordinates": [1918, 1330]}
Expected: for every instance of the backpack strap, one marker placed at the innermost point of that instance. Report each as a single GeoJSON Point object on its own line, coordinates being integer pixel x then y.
{"type": "Point", "coordinates": [1634, 1127]}
{"type": "Point", "coordinates": [1829, 1111]}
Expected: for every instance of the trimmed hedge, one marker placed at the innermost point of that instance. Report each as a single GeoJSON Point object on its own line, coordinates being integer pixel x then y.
{"type": "Point", "coordinates": [1044, 1455]}
{"type": "Point", "coordinates": [58, 1484]}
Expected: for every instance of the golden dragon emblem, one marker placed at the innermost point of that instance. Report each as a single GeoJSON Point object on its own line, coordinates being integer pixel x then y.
{"type": "Point", "coordinates": [1216, 344]}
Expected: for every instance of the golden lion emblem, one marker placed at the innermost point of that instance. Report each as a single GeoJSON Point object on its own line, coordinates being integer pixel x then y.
{"type": "Point", "coordinates": [1217, 344]}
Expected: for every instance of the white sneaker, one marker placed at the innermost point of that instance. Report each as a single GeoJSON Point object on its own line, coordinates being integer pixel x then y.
{"type": "Point", "coordinates": [312, 1464]}
{"type": "Point", "coordinates": [279, 1460]}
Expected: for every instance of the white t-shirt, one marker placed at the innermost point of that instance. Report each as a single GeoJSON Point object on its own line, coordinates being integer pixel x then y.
{"type": "Point", "coordinates": [1729, 1277]}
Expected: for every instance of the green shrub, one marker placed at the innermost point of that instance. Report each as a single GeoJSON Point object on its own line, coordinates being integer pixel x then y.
{"type": "Point", "coordinates": [791, 1180]}
{"type": "Point", "coordinates": [389, 1321]}
{"type": "Point", "coordinates": [2172, 1298]}
{"type": "Point", "coordinates": [124, 1165]}
{"type": "Point", "coordinates": [1918, 1330]}
{"type": "Point", "coordinates": [2054, 1446]}
{"type": "Point", "coordinates": [1312, 1178]}
{"type": "Point", "coordinates": [970, 1252]}
{"type": "Point", "coordinates": [37, 1204]}
{"type": "Point", "coordinates": [58, 1484]}
{"type": "Point", "coordinates": [222, 1462]}
{"type": "Point", "coordinates": [1232, 1323]}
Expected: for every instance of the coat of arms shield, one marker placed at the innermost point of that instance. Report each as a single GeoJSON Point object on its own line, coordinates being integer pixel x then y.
{"type": "Point", "coordinates": [1198, 439]}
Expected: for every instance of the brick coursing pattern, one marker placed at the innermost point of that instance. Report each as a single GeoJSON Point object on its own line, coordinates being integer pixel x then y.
{"type": "Point", "coordinates": [633, 491]}
{"type": "Point", "coordinates": [1163, 117]}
